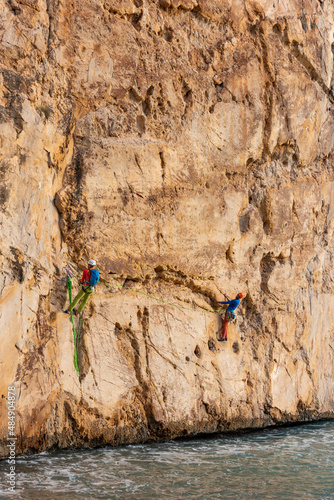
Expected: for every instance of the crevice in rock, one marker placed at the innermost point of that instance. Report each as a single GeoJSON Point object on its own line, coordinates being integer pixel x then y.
{"type": "Point", "coordinates": [71, 203]}
{"type": "Point", "coordinates": [187, 96]}
{"type": "Point", "coordinates": [296, 50]}
{"type": "Point", "coordinates": [146, 389]}
{"type": "Point", "coordinates": [83, 358]}
{"type": "Point", "coordinates": [144, 321]}
{"type": "Point", "coordinates": [16, 8]}
{"type": "Point", "coordinates": [51, 10]}
{"type": "Point", "coordinates": [260, 199]}
{"type": "Point", "coordinates": [75, 435]}
{"type": "Point", "coordinates": [266, 267]}
{"type": "Point", "coordinates": [310, 69]}
{"type": "Point", "coordinates": [177, 277]}
{"type": "Point", "coordinates": [18, 88]}
{"type": "Point", "coordinates": [134, 95]}
{"type": "Point", "coordinates": [163, 165]}
{"type": "Point", "coordinates": [197, 352]}
{"type": "Point", "coordinates": [270, 90]}
{"type": "Point", "coordinates": [17, 264]}
{"type": "Point", "coordinates": [138, 163]}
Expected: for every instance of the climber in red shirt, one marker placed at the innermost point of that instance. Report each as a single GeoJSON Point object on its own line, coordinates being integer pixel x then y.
{"type": "Point", "coordinates": [90, 278]}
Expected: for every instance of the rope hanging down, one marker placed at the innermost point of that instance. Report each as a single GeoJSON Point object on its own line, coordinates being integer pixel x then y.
{"type": "Point", "coordinates": [75, 356]}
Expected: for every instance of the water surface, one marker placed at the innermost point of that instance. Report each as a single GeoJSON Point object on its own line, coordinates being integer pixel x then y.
{"type": "Point", "coordinates": [274, 464]}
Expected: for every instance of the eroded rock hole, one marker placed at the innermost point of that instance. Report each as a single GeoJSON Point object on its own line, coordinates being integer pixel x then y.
{"type": "Point", "coordinates": [235, 347]}
{"type": "Point", "coordinates": [197, 352]}
{"type": "Point", "coordinates": [244, 223]}
{"type": "Point", "coordinates": [212, 345]}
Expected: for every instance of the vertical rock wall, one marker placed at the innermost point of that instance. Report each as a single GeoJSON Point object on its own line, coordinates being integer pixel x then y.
{"type": "Point", "coordinates": [187, 146]}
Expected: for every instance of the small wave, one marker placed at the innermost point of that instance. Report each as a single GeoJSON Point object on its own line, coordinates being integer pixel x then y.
{"type": "Point", "coordinates": [276, 464]}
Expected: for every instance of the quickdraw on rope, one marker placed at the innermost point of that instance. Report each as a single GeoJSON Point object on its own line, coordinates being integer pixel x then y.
{"type": "Point", "coordinates": [75, 356]}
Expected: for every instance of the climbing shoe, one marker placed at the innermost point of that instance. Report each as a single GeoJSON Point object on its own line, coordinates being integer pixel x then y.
{"type": "Point", "coordinates": [74, 311]}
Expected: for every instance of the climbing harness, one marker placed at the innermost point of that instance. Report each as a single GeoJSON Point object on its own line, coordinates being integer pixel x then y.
{"type": "Point", "coordinates": [230, 316]}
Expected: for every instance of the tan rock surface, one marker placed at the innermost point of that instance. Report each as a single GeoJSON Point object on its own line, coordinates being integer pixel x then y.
{"type": "Point", "coordinates": [186, 145]}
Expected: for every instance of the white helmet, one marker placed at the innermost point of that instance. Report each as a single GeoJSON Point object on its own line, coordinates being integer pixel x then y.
{"type": "Point", "coordinates": [92, 262]}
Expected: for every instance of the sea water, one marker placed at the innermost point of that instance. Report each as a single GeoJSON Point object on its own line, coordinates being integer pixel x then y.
{"type": "Point", "coordinates": [275, 464]}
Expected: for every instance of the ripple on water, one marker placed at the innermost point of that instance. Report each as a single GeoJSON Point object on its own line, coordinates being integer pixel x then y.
{"type": "Point", "coordinates": [275, 464]}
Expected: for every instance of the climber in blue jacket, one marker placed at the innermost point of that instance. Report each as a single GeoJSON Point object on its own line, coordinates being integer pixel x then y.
{"type": "Point", "coordinates": [232, 305]}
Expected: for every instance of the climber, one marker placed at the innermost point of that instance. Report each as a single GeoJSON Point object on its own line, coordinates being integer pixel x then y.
{"type": "Point", "coordinates": [229, 315]}
{"type": "Point", "coordinates": [90, 278]}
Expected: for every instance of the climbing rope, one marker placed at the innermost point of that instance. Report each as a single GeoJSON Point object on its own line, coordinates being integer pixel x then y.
{"type": "Point", "coordinates": [75, 356]}
{"type": "Point", "coordinates": [73, 274]}
{"type": "Point", "coordinates": [158, 299]}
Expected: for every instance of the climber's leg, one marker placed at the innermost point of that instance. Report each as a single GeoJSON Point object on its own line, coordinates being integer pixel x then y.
{"type": "Point", "coordinates": [84, 302]}
{"type": "Point", "coordinates": [224, 329]}
{"type": "Point", "coordinates": [76, 300]}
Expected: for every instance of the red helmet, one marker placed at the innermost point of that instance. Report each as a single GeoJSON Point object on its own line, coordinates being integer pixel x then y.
{"type": "Point", "coordinates": [240, 295]}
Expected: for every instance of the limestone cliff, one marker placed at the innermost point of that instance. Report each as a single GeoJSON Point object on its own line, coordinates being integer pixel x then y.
{"type": "Point", "coordinates": [187, 146]}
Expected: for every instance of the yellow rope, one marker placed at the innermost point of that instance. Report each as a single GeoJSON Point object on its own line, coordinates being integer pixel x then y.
{"type": "Point", "coordinates": [161, 300]}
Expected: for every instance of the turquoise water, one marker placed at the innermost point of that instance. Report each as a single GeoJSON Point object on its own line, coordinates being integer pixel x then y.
{"type": "Point", "coordinates": [274, 464]}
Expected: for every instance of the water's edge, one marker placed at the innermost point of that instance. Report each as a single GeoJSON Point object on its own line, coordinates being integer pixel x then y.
{"type": "Point", "coordinates": [275, 463]}
{"type": "Point", "coordinates": [187, 438]}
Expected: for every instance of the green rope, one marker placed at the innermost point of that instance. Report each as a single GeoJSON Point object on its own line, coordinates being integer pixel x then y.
{"type": "Point", "coordinates": [160, 300]}
{"type": "Point", "coordinates": [75, 356]}
{"type": "Point", "coordinates": [157, 298]}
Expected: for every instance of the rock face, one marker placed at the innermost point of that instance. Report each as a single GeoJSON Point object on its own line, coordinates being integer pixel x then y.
{"type": "Point", "coordinates": [187, 146]}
